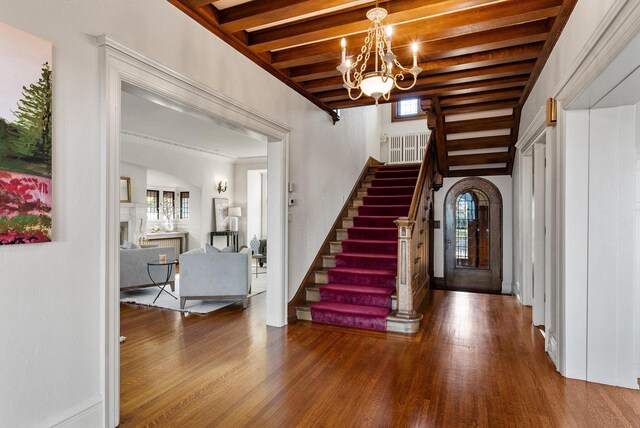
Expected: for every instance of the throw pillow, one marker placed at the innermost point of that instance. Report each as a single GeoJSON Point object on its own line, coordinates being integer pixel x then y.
{"type": "Point", "coordinates": [228, 249]}
{"type": "Point", "coordinates": [128, 245]}
{"type": "Point", "coordinates": [210, 249]}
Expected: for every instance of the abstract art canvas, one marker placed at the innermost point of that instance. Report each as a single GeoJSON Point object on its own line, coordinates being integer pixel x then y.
{"type": "Point", "coordinates": [220, 214]}
{"type": "Point", "coordinates": [25, 137]}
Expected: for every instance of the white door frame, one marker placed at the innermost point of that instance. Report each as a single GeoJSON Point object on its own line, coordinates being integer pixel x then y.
{"type": "Point", "coordinates": [539, 226]}
{"type": "Point", "coordinates": [122, 64]}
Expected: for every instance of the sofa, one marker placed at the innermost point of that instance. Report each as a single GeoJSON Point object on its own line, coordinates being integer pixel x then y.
{"type": "Point", "coordinates": [215, 276]}
{"type": "Point", "coordinates": [133, 267]}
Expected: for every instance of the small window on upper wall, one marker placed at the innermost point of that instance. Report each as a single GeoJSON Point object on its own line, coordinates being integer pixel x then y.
{"type": "Point", "coordinates": [407, 109]}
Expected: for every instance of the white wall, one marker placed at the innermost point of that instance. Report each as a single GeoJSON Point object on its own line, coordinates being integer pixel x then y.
{"type": "Point", "coordinates": [240, 195]}
{"type": "Point", "coordinates": [583, 22]}
{"type": "Point", "coordinates": [198, 171]}
{"type": "Point", "coordinates": [52, 370]}
{"type": "Point", "coordinates": [388, 128]}
{"type": "Point", "coordinates": [254, 205]}
{"type": "Point", "coordinates": [636, 299]}
{"type": "Point", "coordinates": [503, 183]}
{"type": "Point", "coordinates": [610, 304]}
{"type": "Point", "coordinates": [138, 176]}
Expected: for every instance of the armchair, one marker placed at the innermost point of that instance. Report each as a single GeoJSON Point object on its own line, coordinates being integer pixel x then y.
{"type": "Point", "coordinates": [215, 276]}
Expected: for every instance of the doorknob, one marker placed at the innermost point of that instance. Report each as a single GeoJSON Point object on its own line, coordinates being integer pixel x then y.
{"type": "Point", "coordinates": [449, 241]}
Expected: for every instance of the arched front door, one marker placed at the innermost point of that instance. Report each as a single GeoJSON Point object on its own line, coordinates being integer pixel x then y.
{"type": "Point", "coordinates": [473, 237]}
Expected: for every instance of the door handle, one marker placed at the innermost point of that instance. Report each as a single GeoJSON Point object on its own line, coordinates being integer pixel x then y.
{"type": "Point", "coordinates": [449, 241]}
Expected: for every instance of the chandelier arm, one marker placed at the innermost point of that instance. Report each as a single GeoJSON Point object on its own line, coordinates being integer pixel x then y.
{"type": "Point", "coordinates": [351, 96]}
{"type": "Point", "coordinates": [415, 79]}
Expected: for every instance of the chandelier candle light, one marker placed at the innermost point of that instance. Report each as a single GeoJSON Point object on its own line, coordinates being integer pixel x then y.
{"type": "Point", "coordinates": [379, 82]}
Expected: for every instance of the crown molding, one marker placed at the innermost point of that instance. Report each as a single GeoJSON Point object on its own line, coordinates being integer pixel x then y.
{"type": "Point", "coordinates": [148, 139]}
{"type": "Point", "coordinates": [534, 131]}
{"type": "Point", "coordinates": [618, 27]}
{"type": "Point", "coordinates": [251, 159]}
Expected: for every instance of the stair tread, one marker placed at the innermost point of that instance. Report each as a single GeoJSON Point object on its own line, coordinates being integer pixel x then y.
{"type": "Point", "coordinates": [370, 228]}
{"type": "Point", "coordinates": [367, 255]}
{"type": "Point", "coordinates": [363, 289]}
{"type": "Point", "coordinates": [346, 308]}
{"type": "Point", "coordinates": [381, 272]}
{"type": "Point", "coordinates": [368, 241]}
{"type": "Point", "coordinates": [389, 206]}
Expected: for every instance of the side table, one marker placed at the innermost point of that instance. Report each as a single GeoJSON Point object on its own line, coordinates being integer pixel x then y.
{"type": "Point", "coordinates": [169, 264]}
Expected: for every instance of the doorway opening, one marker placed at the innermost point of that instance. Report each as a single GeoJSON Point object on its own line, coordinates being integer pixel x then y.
{"type": "Point", "coordinates": [473, 237]}
{"type": "Point", "coordinates": [124, 66]}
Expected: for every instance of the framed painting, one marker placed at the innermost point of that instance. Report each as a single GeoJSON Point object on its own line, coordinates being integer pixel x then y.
{"type": "Point", "coordinates": [125, 189]}
{"type": "Point", "coordinates": [220, 214]}
{"type": "Point", "coordinates": [25, 137]}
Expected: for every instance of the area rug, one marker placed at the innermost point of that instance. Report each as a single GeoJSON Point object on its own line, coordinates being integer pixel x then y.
{"type": "Point", "coordinates": [145, 297]}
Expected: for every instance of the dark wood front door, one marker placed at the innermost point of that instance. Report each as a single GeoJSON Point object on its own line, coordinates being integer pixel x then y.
{"type": "Point", "coordinates": [473, 237]}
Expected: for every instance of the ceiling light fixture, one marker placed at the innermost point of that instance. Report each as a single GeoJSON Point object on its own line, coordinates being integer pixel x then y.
{"type": "Point", "coordinates": [379, 82]}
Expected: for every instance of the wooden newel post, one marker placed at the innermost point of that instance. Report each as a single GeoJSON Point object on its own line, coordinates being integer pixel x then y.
{"type": "Point", "coordinates": [404, 280]}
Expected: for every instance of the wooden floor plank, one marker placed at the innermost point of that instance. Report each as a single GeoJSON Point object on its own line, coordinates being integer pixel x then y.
{"type": "Point", "coordinates": [477, 361]}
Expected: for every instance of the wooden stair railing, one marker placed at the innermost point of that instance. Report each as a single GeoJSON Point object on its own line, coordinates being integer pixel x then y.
{"type": "Point", "coordinates": [414, 240]}
{"type": "Point", "coordinates": [317, 263]}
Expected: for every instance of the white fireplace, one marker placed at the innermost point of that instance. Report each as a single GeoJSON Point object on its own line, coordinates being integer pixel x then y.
{"type": "Point", "coordinates": [134, 215]}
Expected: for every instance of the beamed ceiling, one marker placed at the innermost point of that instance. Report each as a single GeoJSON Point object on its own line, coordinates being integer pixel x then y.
{"type": "Point", "coordinates": [480, 58]}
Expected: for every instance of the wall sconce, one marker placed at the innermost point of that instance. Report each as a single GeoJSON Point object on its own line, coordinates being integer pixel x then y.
{"type": "Point", "coordinates": [222, 186]}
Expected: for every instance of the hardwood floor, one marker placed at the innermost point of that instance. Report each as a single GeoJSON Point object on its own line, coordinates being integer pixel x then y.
{"type": "Point", "coordinates": [476, 362]}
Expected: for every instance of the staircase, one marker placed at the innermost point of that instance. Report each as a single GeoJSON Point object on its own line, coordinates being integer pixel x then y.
{"type": "Point", "coordinates": [357, 282]}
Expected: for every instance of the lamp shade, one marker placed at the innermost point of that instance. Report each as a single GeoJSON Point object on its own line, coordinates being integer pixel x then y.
{"type": "Point", "coordinates": [376, 85]}
{"type": "Point", "coordinates": [235, 212]}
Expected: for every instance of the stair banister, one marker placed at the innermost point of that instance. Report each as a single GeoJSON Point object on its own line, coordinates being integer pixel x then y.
{"type": "Point", "coordinates": [413, 236]}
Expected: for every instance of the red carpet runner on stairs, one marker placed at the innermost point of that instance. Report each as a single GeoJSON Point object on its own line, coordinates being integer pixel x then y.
{"type": "Point", "coordinates": [360, 286]}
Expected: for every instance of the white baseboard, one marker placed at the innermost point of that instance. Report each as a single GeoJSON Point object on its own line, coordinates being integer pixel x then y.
{"type": "Point", "coordinates": [506, 288]}
{"type": "Point", "coordinates": [89, 414]}
{"type": "Point", "coordinates": [552, 349]}
{"type": "Point", "coordinates": [516, 292]}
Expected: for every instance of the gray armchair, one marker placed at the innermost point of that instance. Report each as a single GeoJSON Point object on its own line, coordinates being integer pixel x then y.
{"type": "Point", "coordinates": [133, 267]}
{"type": "Point", "coordinates": [215, 276]}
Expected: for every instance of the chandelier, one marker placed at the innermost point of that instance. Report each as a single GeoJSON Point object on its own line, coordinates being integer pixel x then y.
{"type": "Point", "coordinates": [378, 82]}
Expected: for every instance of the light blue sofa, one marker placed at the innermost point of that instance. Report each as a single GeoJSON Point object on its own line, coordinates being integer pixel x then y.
{"type": "Point", "coordinates": [215, 276]}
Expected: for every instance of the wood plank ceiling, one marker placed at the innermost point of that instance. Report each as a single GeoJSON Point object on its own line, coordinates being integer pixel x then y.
{"type": "Point", "coordinates": [480, 58]}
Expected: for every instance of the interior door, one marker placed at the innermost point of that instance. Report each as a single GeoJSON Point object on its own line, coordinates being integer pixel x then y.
{"type": "Point", "coordinates": [473, 237]}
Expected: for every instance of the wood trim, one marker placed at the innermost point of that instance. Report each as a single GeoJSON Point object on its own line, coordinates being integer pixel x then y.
{"type": "Point", "coordinates": [394, 113]}
{"type": "Point", "coordinates": [478, 172]}
{"type": "Point", "coordinates": [493, 276]}
{"type": "Point", "coordinates": [207, 20]}
{"type": "Point", "coordinates": [422, 175]}
{"type": "Point", "coordinates": [309, 278]}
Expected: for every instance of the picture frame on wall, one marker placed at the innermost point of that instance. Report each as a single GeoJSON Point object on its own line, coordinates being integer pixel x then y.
{"type": "Point", "coordinates": [125, 189]}
{"type": "Point", "coordinates": [220, 218]}
{"type": "Point", "coordinates": [25, 137]}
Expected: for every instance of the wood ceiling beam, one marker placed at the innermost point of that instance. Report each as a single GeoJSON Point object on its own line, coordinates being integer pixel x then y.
{"type": "Point", "coordinates": [431, 28]}
{"type": "Point", "coordinates": [258, 13]}
{"type": "Point", "coordinates": [331, 97]}
{"type": "Point", "coordinates": [207, 18]}
{"type": "Point", "coordinates": [475, 125]}
{"type": "Point", "coordinates": [355, 21]}
{"type": "Point", "coordinates": [472, 108]}
{"type": "Point", "coordinates": [479, 143]}
{"type": "Point", "coordinates": [478, 172]}
{"type": "Point", "coordinates": [469, 75]}
{"type": "Point", "coordinates": [481, 41]}
{"type": "Point", "coordinates": [200, 3]}
{"type": "Point", "coordinates": [479, 159]}
{"type": "Point", "coordinates": [480, 97]}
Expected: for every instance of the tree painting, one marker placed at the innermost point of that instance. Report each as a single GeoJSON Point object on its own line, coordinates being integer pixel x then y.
{"type": "Point", "coordinates": [25, 138]}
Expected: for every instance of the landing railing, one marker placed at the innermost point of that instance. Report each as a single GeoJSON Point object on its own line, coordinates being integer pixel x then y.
{"type": "Point", "coordinates": [414, 240]}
